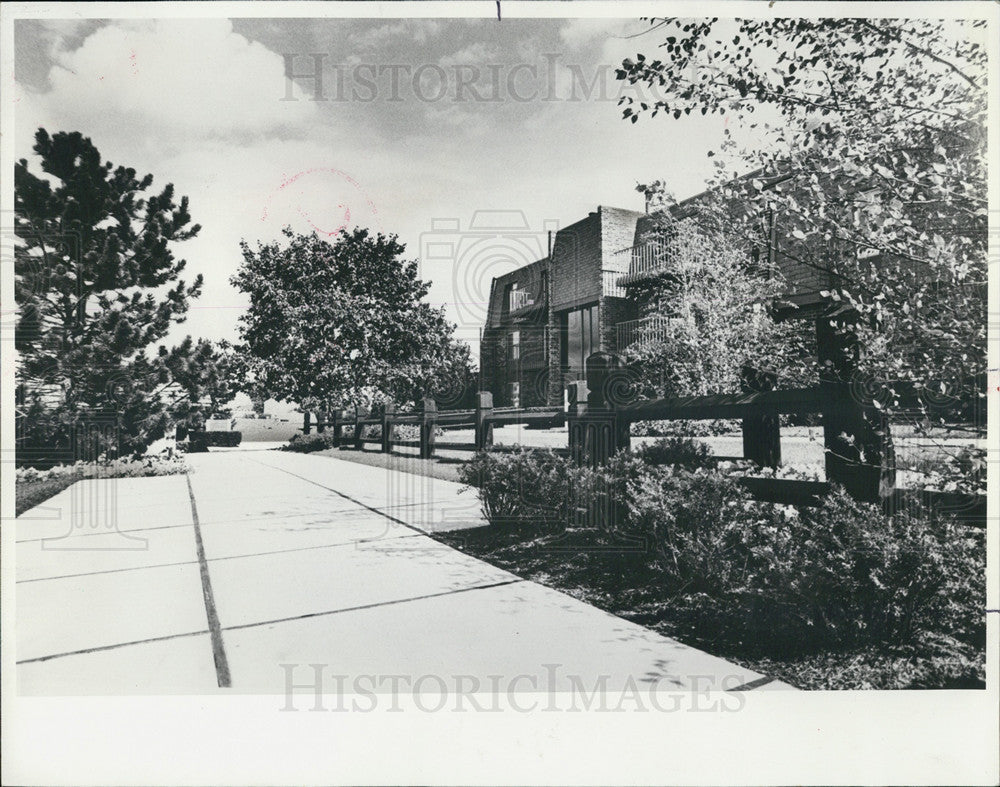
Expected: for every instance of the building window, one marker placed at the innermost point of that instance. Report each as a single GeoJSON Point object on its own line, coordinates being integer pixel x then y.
{"type": "Point", "coordinates": [515, 394]}
{"type": "Point", "coordinates": [515, 345]}
{"type": "Point", "coordinates": [581, 338]}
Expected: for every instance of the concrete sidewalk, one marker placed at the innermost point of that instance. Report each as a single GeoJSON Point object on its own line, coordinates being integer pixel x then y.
{"type": "Point", "coordinates": [262, 559]}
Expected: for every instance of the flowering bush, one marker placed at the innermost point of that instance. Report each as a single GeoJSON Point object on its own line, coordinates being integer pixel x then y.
{"type": "Point", "coordinates": [683, 428]}
{"type": "Point", "coordinates": [167, 463]}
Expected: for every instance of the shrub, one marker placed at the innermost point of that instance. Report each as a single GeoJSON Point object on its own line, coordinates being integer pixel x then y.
{"type": "Point", "coordinates": [683, 428]}
{"type": "Point", "coordinates": [676, 451]}
{"type": "Point", "coordinates": [700, 524]}
{"type": "Point", "coordinates": [305, 444]}
{"type": "Point", "coordinates": [963, 472]}
{"type": "Point", "coordinates": [838, 575]}
{"type": "Point", "coordinates": [223, 439]}
{"type": "Point", "coordinates": [905, 593]}
{"type": "Point", "coordinates": [528, 487]}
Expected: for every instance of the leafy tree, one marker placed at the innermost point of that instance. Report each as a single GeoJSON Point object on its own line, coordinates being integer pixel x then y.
{"type": "Point", "coordinates": [96, 283]}
{"type": "Point", "coordinates": [706, 307]}
{"type": "Point", "coordinates": [334, 324]}
{"type": "Point", "coordinates": [870, 159]}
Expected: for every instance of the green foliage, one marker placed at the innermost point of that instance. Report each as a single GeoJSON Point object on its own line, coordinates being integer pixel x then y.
{"type": "Point", "coordinates": [96, 284]}
{"type": "Point", "coordinates": [770, 581]}
{"type": "Point", "coordinates": [343, 323]}
{"type": "Point", "coordinates": [707, 315]}
{"type": "Point", "coordinates": [528, 488]}
{"type": "Point", "coordinates": [676, 451]}
{"type": "Point", "coordinates": [839, 575]}
{"type": "Point", "coordinates": [869, 162]}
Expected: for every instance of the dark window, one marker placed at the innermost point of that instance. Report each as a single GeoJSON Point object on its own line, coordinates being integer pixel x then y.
{"type": "Point", "coordinates": [581, 338]}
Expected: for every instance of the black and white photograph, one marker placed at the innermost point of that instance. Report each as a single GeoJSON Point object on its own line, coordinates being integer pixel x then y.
{"type": "Point", "coordinates": [500, 393]}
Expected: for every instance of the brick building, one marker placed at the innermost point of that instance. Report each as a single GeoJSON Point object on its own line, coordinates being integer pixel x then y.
{"type": "Point", "coordinates": [545, 318]}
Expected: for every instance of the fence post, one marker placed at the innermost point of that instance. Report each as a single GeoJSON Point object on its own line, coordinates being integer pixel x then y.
{"type": "Point", "coordinates": [761, 433]}
{"type": "Point", "coordinates": [576, 393]}
{"type": "Point", "coordinates": [484, 427]}
{"type": "Point", "coordinates": [856, 438]}
{"type": "Point", "coordinates": [320, 422]}
{"type": "Point", "coordinates": [596, 428]}
{"type": "Point", "coordinates": [306, 425]}
{"type": "Point", "coordinates": [338, 429]}
{"type": "Point", "coordinates": [428, 424]}
{"type": "Point", "coordinates": [358, 442]}
{"type": "Point", "coordinates": [387, 426]}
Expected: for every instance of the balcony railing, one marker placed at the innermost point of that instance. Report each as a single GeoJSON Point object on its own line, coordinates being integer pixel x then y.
{"type": "Point", "coordinates": [649, 330]}
{"type": "Point", "coordinates": [641, 258]}
{"type": "Point", "coordinates": [610, 284]}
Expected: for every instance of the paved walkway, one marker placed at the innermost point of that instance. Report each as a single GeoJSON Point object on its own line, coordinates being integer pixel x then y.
{"type": "Point", "coordinates": [185, 584]}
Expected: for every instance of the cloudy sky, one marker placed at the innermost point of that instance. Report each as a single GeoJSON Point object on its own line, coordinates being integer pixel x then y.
{"type": "Point", "coordinates": [424, 124]}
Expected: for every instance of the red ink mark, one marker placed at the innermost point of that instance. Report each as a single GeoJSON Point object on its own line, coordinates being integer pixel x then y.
{"type": "Point", "coordinates": [132, 61]}
{"type": "Point", "coordinates": [342, 220]}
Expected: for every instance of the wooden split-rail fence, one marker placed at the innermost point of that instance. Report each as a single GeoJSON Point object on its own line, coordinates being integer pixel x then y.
{"type": "Point", "coordinates": [349, 426]}
{"type": "Point", "coordinates": [857, 443]}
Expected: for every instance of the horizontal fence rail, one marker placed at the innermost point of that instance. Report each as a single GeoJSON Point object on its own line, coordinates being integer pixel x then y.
{"type": "Point", "coordinates": [857, 442]}
{"type": "Point", "coordinates": [348, 426]}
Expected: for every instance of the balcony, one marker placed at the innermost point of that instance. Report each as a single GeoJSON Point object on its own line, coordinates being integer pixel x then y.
{"type": "Point", "coordinates": [610, 285]}
{"type": "Point", "coordinates": [640, 260]}
{"type": "Point", "coordinates": [649, 330]}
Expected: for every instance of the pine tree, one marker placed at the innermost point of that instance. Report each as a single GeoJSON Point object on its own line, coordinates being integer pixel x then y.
{"type": "Point", "coordinates": [96, 283]}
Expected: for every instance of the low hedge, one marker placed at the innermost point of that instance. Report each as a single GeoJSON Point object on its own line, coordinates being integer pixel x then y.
{"type": "Point", "coordinates": [224, 439]}
{"type": "Point", "coordinates": [765, 580]}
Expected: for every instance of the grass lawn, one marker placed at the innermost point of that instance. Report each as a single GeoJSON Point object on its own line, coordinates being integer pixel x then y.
{"type": "Point", "coordinates": [29, 494]}
{"type": "Point", "coordinates": [442, 467]}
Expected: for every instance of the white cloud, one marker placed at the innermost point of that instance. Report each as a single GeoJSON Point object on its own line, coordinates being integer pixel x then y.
{"type": "Point", "coordinates": [419, 31]}
{"type": "Point", "coordinates": [583, 33]}
{"type": "Point", "coordinates": [170, 81]}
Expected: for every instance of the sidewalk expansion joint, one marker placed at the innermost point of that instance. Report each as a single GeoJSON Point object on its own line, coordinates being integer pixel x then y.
{"type": "Point", "coordinates": [216, 559]}
{"type": "Point", "coordinates": [114, 646]}
{"type": "Point", "coordinates": [346, 497]}
{"type": "Point", "coordinates": [308, 615]}
{"type": "Point", "coordinates": [218, 649]}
